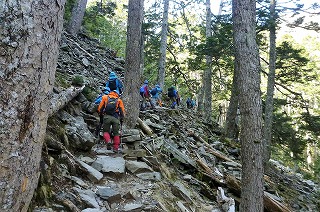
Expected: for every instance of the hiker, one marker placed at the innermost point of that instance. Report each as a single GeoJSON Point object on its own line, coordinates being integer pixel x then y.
{"type": "Point", "coordinates": [155, 92]}
{"type": "Point", "coordinates": [172, 94]}
{"type": "Point", "coordinates": [105, 91]}
{"type": "Point", "coordinates": [193, 103]}
{"type": "Point", "coordinates": [97, 101]}
{"type": "Point", "coordinates": [188, 102]}
{"type": "Point", "coordinates": [112, 109]}
{"type": "Point", "coordinates": [145, 94]}
{"type": "Point", "coordinates": [114, 83]}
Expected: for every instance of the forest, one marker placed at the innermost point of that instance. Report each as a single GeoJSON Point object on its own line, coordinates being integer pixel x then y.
{"type": "Point", "coordinates": [252, 67]}
{"type": "Point", "coordinates": [295, 122]}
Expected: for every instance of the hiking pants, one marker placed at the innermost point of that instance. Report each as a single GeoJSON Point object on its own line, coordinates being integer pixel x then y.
{"type": "Point", "coordinates": [109, 121]}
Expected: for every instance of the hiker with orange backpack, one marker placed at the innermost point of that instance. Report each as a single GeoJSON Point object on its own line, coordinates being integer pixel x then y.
{"type": "Point", "coordinates": [112, 109]}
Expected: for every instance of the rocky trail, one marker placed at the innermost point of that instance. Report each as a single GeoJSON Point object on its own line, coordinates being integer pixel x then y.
{"type": "Point", "coordinates": [171, 161]}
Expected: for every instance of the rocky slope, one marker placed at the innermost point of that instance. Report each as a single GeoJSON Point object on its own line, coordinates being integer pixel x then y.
{"type": "Point", "coordinates": [171, 161]}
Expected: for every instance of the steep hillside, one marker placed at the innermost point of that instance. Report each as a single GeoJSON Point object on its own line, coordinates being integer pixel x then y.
{"type": "Point", "coordinates": [171, 161]}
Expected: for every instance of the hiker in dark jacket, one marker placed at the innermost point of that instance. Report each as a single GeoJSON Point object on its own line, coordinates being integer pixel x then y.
{"type": "Point", "coordinates": [112, 109]}
{"type": "Point", "coordinates": [146, 96]}
{"type": "Point", "coordinates": [114, 83]}
{"type": "Point", "coordinates": [173, 95]}
{"type": "Point", "coordinates": [188, 102]}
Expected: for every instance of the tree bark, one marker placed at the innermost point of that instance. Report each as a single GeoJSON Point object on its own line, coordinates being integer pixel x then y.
{"type": "Point", "coordinates": [247, 59]}
{"type": "Point", "coordinates": [231, 129]}
{"type": "Point", "coordinates": [200, 97]}
{"type": "Point", "coordinates": [133, 61]}
{"type": "Point", "coordinates": [77, 14]}
{"type": "Point", "coordinates": [29, 39]}
{"type": "Point", "coordinates": [208, 71]}
{"type": "Point", "coordinates": [268, 114]}
{"type": "Point", "coordinates": [163, 44]}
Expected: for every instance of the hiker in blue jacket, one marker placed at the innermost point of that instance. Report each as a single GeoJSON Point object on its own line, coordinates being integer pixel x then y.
{"type": "Point", "coordinates": [105, 91]}
{"type": "Point", "coordinates": [114, 83]}
{"type": "Point", "coordinates": [155, 92]}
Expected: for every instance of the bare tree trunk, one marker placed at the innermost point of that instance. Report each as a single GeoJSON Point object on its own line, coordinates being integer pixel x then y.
{"type": "Point", "coordinates": [208, 71]}
{"type": "Point", "coordinates": [163, 44]}
{"type": "Point", "coordinates": [268, 114]}
{"type": "Point", "coordinates": [29, 39]}
{"type": "Point", "coordinates": [200, 98]}
{"type": "Point", "coordinates": [133, 61]}
{"type": "Point", "coordinates": [77, 14]}
{"type": "Point", "coordinates": [231, 128]}
{"type": "Point", "coordinates": [247, 59]}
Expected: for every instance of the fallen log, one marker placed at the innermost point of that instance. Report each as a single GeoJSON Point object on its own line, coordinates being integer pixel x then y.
{"type": "Point", "coordinates": [60, 100]}
{"type": "Point", "coordinates": [217, 179]}
{"type": "Point", "coordinates": [209, 148]}
{"type": "Point", "coordinates": [68, 204]}
{"type": "Point", "coordinates": [145, 127]}
{"type": "Point", "coordinates": [269, 203]}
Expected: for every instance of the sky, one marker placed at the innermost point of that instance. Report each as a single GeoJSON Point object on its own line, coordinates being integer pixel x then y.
{"type": "Point", "coordinates": [298, 33]}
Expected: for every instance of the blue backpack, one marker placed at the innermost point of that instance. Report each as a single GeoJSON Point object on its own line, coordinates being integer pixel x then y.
{"type": "Point", "coordinates": [154, 91]}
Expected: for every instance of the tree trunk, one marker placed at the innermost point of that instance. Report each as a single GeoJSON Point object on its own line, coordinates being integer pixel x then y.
{"type": "Point", "coordinates": [247, 59]}
{"type": "Point", "coordinates": [163, 44]}
{"type": "Point", "coordinates": [200, 97]}
{"type": "Point", "coordinates": [133, 61]}
{"type": "Point", "coordinates": [231, 129]}
{"type": "Point", "coordinates": [29, 39]}
{"type": "Point", "coordinates": [77, 14]}
{"type": "Point", "coordinates": [268, 114]}
{"type": "Point", "coordinates": [208, 71]}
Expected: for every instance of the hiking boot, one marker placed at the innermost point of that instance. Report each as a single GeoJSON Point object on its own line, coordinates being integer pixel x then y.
{"type": "Point", "coordinates": [109, 146]}
{"type": "Point", "coordinates": [116, 151]}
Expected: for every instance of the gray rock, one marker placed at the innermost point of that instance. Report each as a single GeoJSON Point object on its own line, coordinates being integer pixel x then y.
{"type": "Point", "coordinates": [79, 181]}
{"type": "Point", "coordinates": [109, 194]}
{"type": "Point", "coordinates": [180, 190]}
{"type": "Point", "coordinates": [154, 125]}
{"type": "Point", "coordinates": [136, 167]}
{"type": "Point", "coordinates": [85, 62]}
{"type": "Point", "coordinates": [133, 207]}
{"type": "Point", "coordinates": [129, 132]}
{"type": "Point", "coordinates": [156, 176]}
{"type": "Point", "coordinates": [86, 159]}
{"type": "Point", "coordinates": [131, 138]}
{"type": "Point", "coordinates": [88, 197]}
{"type": "Point", "coordinates": [110, 164]}
{"type": "Point", "coordinates": [180, 156]}
{"type": "Point", "coordinates": [93, 174]}
{"type": "Point", "coordinates": [92, 210]}
{"type": "Point", "coordinates": [79, 135]}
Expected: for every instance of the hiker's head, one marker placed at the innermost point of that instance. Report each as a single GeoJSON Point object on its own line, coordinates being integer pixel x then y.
{"type": "Point", "coordinates": [112, 75]}
{"type": "Point", "coordinates": [146, 82]}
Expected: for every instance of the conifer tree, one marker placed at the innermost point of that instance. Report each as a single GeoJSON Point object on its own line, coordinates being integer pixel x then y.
{"type": "Point", "coordinates": [247, 60]}
{"type": "Point", "coordinates": [29, 39]}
